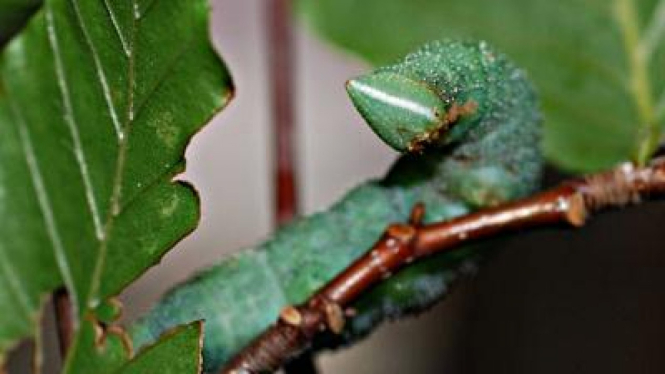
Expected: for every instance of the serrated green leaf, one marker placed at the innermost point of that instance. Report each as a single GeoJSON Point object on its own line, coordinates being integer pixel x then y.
{"type": "Point", "coordinates": [177, 352]}
{"type": "Point", "coordinates": [98, 349]}
{"type": "Point", "coordinates": [598, 64]}
{"type": "Point", "coordinates": [98, 100]}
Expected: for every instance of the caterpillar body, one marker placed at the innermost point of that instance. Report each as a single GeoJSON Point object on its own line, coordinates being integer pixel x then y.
{"type": "Point", "coordinates": [469, 123]}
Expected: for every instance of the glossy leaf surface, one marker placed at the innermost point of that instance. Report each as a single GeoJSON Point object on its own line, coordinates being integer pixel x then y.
{"type": "Point", "coordinates": [98, 100]}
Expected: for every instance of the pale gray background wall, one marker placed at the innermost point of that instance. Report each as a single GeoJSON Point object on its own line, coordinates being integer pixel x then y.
{"type": "Point", "coordinates": [229, 163]}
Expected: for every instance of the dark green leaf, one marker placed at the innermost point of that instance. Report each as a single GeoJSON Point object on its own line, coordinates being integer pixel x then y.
{"type": "Point", "coordinates": [13, 15]}
{"type": "Point", "coordinates": [177, 352]}
{"type": "Point", "coordinates": [597, 63]}
{"type": "Point", "coordinates": [99, 349]}
{"type": "Point", "coordinates": [98, 100]}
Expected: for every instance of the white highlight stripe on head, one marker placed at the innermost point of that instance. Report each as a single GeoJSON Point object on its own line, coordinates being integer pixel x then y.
{"type": "Point", "coordinates": [397, 101]}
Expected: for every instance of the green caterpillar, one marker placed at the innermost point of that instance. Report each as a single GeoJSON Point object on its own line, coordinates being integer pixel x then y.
{"type": "Point", "coordinates": [470, 119]}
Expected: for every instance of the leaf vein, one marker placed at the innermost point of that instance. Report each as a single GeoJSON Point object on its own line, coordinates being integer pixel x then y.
{"type": "Point", "coordinates": [15, 283]}
{"type": "Point", "coordinates": [660, 109]}
{"type": "Point", "coordinates": [120, 162]}
{"type": "Point", "coordinates": [149, 94]}
{"type": "Point", "coordinates": [654, 32]}
{"type": "Point", "coordinates": [106, 91]}
{"type": "Point", "coordinates": [146, 9]}
{"type": "Point", "coordinates": [147, 187]}
{"type": "Point", "coordinates": [640, 82]}
{"type": "Point", "coordinates": [73, 125]}
{"type": "Point", "coordinates": [44, 203]}
{"type": "Point", "coordinates": [116, 26]}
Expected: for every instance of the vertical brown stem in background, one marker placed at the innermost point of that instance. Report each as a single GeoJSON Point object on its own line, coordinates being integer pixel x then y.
{"type": "Point", "coordinates": [280, 58]}
{"type": "Point", "coordinates": [64, 319]}
{"type": "Point", "coordinates": [280, 63]}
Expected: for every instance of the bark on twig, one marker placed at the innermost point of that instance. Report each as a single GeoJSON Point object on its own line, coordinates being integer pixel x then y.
{"type": "Point", "coordinates": [570, 203]}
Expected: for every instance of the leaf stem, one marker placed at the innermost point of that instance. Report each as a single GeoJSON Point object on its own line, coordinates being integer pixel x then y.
{"type": "Point", "coordinates": [570, 203]}
{"type": "Point", "coordinates": [648, 135]}
{"type": "Point", "coordinates": [654, 32]}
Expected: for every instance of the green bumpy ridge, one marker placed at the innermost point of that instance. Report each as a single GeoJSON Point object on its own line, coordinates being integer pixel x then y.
{"type": "Point", "coordinates": [486, 158]}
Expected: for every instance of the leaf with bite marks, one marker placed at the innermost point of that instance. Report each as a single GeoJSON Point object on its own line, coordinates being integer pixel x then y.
{"type": "Point", "coordinates": [98, 101]}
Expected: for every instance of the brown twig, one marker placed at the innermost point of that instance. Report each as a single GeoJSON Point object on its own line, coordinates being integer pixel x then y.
{"type": "Point", "coordinates": [570, 203]}
{"type": "Point", "coordinates": [64, 319]}
{"type": "Point", "coordinates": [280, 44]}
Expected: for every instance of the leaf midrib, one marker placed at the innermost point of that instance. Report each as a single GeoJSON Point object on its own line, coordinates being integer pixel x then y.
{"type": "Point", "coordinates": [103, 228]}
{"type": "Point", "coordinates": [639, 46]}
{"type": "Point", "coordinates": [124, 129]}
{"type": "Point", "coordinates": [116, 193]}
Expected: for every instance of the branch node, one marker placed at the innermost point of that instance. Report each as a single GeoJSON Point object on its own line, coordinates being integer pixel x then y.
{"type": "Point", "coordinates": [618, 187]}
{"type": "Point", "coordinates": [290, 315]}
{"type": "Point", "coordinates": [577, 212]}
{"type": "Point", "coordinates": [401, 232]}
{"type": "Point", "coordinates": [335, 318]}
{"type": "Point", "coordinates": [417, 214]}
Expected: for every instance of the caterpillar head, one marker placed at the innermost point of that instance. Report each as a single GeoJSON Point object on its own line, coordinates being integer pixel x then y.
{"type": "Point", "coordinates": [405, 113]}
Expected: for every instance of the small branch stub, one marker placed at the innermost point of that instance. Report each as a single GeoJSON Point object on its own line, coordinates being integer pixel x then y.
{"type": "Point", "coordinates": [576, 211]}
{"type": "Point", "coordinates": [335, 318]}
{"type": "Point", "coordinates": [291, 316]}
